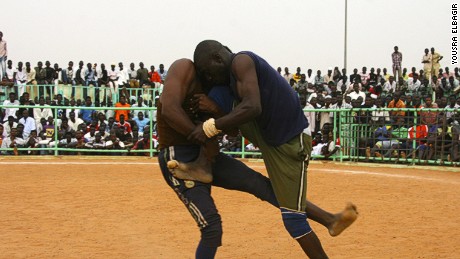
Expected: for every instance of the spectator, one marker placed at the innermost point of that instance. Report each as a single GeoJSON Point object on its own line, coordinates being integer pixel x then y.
{"type": "Point", "coordinates": [396, 57]}
{"type": "Point", "coordinates": [97, 143]}
{"type": "Point", "coordinates": [113, 81]}
{"type": "Point", "coordinates": [364, 78]}
{"type": "Point", "coordinates": [140, 103]}
{"type": "Point", "coordinates": [357, 93]}
{"type": "Point", "coordinates": [414, 85]}
{"type": "Point", "coordinates": [163, 73]}
{"type": "Point", "coordinates": [68, 78]}
{"type": "Point", "coordinates": [86, 114]}
{"type": "Point", "coordinates": [435, 57]}
{"type": "Point", "coordinates": [390, 86]}
{"type": "Point", "coordinates": [74, 121]}
{"type": "Point", "coordinates": [397, 115]}
{"type": "Point", "coordinates": [121, 104]}
{"type": "Point", "coordinates": [21, 79]}
{"type": "Point", "coordinates": [143, 75]}
{"type": "Point", "coordinates": [154, 76]}
{"type": "Point", "coordinates": [91, 135]}
{"type": "Point", "coordinates": [297, 75]}
{"type": "Point", "coordinates": [378, 113]}
{"type": "Point", "coordinates": [31, 74]}
{"type": "Point", "coordinates": [49, 78]}
{"type": "Point", "coordinates": [123, 76]}
{"type": "Point", "coordinates": [3, 56]}
{"type": "Point", "coordinates": [319, 80]}
{"type": "Point", "coordinates": [12, 141]}
{"type": "Point", "coordinates": [90, 79]}
{"type": "Point", "coordinates": [28, 122]}
{"type": "Point", "coordinates": [141, 122]}
{"type": "Point", "coordinates": [8, 126]}
{"type": "Point", "coordinates": [80, 74]}
{"type": "Point", "coordinates": [102, 81]}
{"type": "Point", "coordinates": [10, 111]}
{"type": "Point", "coordinates": [132, 72]}
{"type": "Point", "coordinates": [124, 124]}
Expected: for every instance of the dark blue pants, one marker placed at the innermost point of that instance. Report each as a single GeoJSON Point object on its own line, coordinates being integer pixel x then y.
{"type": "Point", "coordinates": [228, 173]}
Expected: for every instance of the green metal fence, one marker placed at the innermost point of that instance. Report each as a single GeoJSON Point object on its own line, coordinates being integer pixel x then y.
{"type": "Point", "coordinates": [347, 127]}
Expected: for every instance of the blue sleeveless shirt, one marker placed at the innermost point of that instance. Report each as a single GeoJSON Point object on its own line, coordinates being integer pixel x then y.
{"type": "Point", "coordinates": [282, 117]}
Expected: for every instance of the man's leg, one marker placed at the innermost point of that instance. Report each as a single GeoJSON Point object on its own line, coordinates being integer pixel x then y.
{"type": "Point", "coordinates": [197, 198]}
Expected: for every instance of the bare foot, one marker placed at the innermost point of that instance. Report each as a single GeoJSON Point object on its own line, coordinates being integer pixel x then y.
{"type": "Point", "coordinates": [344, 220]}
{"type": "Point", "coordinates": [190, 171]}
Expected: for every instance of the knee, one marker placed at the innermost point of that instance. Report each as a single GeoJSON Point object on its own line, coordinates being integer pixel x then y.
{"type": "Point", "coordinates": [211, 232]}
{"type": "Point", "coordinates": [295, 223]}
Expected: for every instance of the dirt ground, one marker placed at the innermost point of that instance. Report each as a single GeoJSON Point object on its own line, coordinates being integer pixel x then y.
{"type": "Point", "coordinates": [100, 208]}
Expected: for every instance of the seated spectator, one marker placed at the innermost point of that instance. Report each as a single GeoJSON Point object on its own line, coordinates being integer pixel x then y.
{"type": "Point", "coordinates": [91, 135]}
{"type": "Point", "coordinates": [32, 142]}
{"type": "Point", "coordinates": [126, 125]}
{"type": "Point", "coordinates": [12, 142]}
{"type": "Point", "coordinates": [67, 142]}
{"type": "Point", "coordinates": [357, 93]}
{"type": "Point", "coordinates": [397, 115]}
{"type": "Point", "coordinates": [141, 122]}
{"type": "Point", "coordinates": [74, 121]}
{"type": "Point", "coordinates": [429, 117]}
{"type": "Point", "coordinates": [8, 126]}
{"type": "Point", "coordinates": [154, 77]}
{"type": "Point", "coordinates": [28, 122]}
{"type": "Point", "coordinates": [132, 72]}
{"type": "Point", "coordinates": [121, 104]}
{"type": "Point", "coordinates": [378, 113]}
{"type": "Point", "coordinates": [419, 134]}
{"type": "Point", "coordinates": [96, 143]}
{"type": "Point", "coordinates": [10, 111]}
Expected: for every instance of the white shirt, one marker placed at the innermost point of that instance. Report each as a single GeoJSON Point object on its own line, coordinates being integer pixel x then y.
{"type": "Point", "coordinates": [354, 95]}
{"type": "Point", "coordinates": [10, 73]}
{"type": "Point", "coordinates": [39, 113]}
{"type": "Point", "coordinates": [74, 125]}
{"type": "Point", "coordinates": [6, 143]}
{"type": "Point", "coordinates": [389, 86]}
{"type": "Point", "coordinates": [123, 77]}
{"type": "Point", "coordinates": [413, 86]}
{"type": "Point", "coordinates": [310, 115]}
{"type": "Point", "coordinates": [10, 111]}
{"type": "Point", "coordinates": [112, 74]}
{"type": "Point", "coordinates": [7, 129]}
{"type": "Point", "coordinates": [29, 125]}
{"type": "Point", "coordinates": [136, 112]}
{"type": "Point", "coordinates": [21, 76]}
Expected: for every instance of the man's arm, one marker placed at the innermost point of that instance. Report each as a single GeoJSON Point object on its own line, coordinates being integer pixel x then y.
{"type": "Point", "coordinates": [247, 86]}
{"type": "Point", "coordinates": [177, 84]}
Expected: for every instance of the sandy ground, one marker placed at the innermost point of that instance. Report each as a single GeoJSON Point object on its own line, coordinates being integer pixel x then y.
{"type": "Point", "coordinates": [98, 208]}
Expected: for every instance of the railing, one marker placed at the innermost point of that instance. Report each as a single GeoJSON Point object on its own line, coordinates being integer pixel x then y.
{"type": "Point", "coordinates": [100, 94]}
{"type": "Point", "coordinates": [355, 130]}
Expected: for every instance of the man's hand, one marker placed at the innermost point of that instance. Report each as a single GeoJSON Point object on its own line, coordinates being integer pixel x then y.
{"type": "Point", "coordinates": [198, 135]}
{"type": "Point", "coordinates": [202, 103]}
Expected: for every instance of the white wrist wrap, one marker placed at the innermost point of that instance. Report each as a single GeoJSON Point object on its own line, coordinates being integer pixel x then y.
{"type": "Point", "coordinates": [209, 128]}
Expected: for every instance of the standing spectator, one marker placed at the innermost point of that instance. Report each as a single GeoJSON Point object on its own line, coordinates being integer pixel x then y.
{"type": "Point", "coordinates": [68, 78]}
{"type": "Point", "coordinates": [427, 63]}
{"type": "Point", "coordinates": [123, 76]}
{"type": "Point", "coordinates": [310, 78]}
{"type": "Point", "coordinates": [31, 79]}
{"type": "Point", "coordinates": [28, 122]}
{"type": "Point", "coordinates": [10, 111]}
{"type": "Point", "coordinates": [3, 56]}
{"type": "Point", "coordinates": [132, 72]}
{"type": "Point", "coordinates": [143, 75]}
{"type": "Point", "coordinates": [102, 81]}
{"type": "Point", "coordinates": [163, 73]}
{"type": "Point", "coordinates": [396, 57]}
{"type": "Point", "coordinates": [40, 75]}
{"type": "Point", "coordinates": [90, 78]}
{"type": "Point", "coordinates": [49, 78]}
{"type": "Point", "coordinates": [80, 74]}
{"type": "Point", "coordinates": [365, 78]}
{"type": "Point", "coordinates": [154, 77]}
{"type": "Point", "coordinates": [57, 76]}
{"type": "Point", "coordinates": [288, 76]}
{"type": "Point", "coordinates": [113, 81]}
{"type": "Point", "coordinates": [21, 79]}
{"type": "Point", "coordinates": [10, 72]}
{"type": "Point", "coordinates": [121, 104]}
{"type": "Point", "coordinates": [435, 57]}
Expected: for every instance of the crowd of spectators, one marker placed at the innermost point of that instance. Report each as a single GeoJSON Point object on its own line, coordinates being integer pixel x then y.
{"type": "Point", "coordinates": [386, 133]}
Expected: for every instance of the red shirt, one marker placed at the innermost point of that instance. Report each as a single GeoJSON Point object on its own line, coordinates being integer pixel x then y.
{"type": "Point", "coordinates": [154, 77]}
